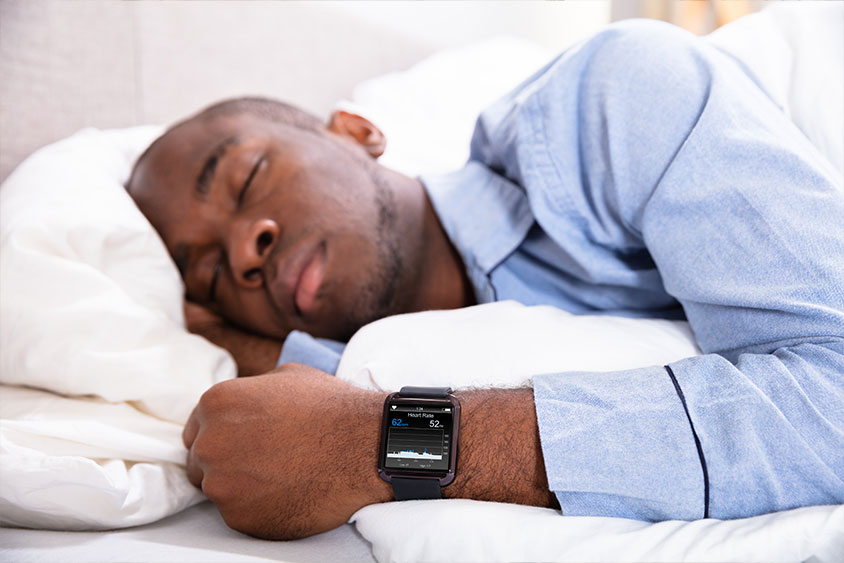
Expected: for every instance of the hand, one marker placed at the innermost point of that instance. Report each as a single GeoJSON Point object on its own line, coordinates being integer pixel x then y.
{"type": "Point", "coordinates": [287, 454]}
{"type": "Point", "coordinates": [294, 453]}
{"type": "Point", "coordinates": [253, 354]}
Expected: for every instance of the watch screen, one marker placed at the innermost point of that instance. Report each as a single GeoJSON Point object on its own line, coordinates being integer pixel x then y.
{"type": "Point", "coordinates": [419, 437]}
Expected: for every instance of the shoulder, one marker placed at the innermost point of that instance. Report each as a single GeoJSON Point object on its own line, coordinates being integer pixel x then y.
{"type": "Point", "coordinates": [621, 82]}
{"type": "Point", "coordinates": [647, 52]}
{"type": "Point", "coordinates": [641, 37]}
{"type": "Point", "coordinates": [633, 74]}
{"type": "Point", "coordinates": [627, 67]}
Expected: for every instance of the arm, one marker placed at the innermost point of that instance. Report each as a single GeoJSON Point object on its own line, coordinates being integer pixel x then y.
{"type": "Point", "coordinates": [256, 354]}
{"type": "Point", "coordinates": [680, 159]}
{"type": "Point", "coordinates": [252, 353]}
{"type": "Point", "coordinates": [264, 449]}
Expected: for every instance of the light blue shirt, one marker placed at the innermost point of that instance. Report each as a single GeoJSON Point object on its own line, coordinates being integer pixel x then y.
{"type": "Point", "coordinates": [643, 173]}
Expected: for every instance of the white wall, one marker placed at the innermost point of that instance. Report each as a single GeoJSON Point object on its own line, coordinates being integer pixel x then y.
{"type": "Point", "coordinates": [67, 65]}
{"type": "Point", "coordinates": [552, 24]}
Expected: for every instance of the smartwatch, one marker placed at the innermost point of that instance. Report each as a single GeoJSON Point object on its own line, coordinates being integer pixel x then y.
{"type": "Point", "coordinates": [418, 452]}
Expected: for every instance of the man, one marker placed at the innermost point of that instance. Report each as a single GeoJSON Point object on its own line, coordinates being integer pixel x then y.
{"type": "Point", "coordinates": [641, 173]}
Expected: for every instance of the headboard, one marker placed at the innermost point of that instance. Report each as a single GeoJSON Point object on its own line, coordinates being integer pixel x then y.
{"type": "Point", "coordinates": [67, 65]}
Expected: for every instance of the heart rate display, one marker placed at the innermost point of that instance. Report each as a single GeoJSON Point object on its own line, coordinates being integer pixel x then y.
{"type": "Point", "coordinates": [419, 438]}
{"type": "Point", "coordinates": [415, 444]}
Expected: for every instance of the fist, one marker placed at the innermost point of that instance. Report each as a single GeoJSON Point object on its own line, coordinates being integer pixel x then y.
{"type": "Point", "coordinates": [288, 454]}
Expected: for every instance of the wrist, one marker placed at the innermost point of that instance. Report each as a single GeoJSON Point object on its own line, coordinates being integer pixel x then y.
{"type": "Point", "coordinates": [366, 481]}
{"type": "Point", "coordinates": [499, 454]}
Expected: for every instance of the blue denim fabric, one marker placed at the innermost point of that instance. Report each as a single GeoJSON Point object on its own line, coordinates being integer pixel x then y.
{"type": "Point", "coordinates": [643, 173]}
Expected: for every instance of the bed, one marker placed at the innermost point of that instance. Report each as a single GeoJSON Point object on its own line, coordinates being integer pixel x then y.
{"type": "Point", "coordinates": [89, 438]}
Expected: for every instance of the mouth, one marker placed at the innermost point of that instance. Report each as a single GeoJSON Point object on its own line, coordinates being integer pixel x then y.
{"type": "Point", "coordinates": [303, 276]}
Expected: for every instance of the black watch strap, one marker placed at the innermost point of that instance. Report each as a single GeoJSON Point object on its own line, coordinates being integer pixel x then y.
{"type": "Point", "coordinates": [425, 392]}
{"type": "Point", "coordinates": [409, 488]}
{"type": "Point", "coordinates": [419, 488]}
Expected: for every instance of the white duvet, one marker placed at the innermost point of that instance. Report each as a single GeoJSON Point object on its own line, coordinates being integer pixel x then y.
{"type": "Point", "coordinates": [91, 312]}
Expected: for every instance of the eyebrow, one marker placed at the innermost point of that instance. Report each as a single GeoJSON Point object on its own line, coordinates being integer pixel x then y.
{"type": "Point", "coordinates": [206, 175]}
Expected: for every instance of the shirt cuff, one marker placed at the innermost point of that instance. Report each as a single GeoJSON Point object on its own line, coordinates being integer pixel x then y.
{"type": "Point", "coordinates": [619, 444]}
{"type": "Point", "coordinates": [320, 353]}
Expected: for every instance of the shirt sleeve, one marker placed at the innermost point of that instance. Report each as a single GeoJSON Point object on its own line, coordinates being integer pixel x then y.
{"type": "Point", "coordinates": [678, 150]}
{"type": "Point", "coordinates": [320, 353]}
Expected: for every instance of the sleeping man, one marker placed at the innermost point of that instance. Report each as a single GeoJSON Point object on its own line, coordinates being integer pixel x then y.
{"type": "Point", "coordinates": [641, 173]}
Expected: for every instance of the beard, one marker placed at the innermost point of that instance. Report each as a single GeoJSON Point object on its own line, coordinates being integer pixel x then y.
{"type": "Point", "coordinates": [379, 297]}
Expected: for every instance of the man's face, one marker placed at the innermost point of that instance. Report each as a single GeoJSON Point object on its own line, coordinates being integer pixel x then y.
{"type": "Point", "coordinates": [274, 228]}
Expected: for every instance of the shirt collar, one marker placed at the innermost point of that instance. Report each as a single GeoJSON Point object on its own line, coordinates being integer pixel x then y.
{"type": "Point", "coordinates": [485, 215]}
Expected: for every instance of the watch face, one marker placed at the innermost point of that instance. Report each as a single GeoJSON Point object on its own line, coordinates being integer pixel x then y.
{"type": "Point", "coordinates": [418, 437]}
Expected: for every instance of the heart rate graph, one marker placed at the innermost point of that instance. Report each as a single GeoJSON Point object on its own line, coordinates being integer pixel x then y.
{"type": "Point", "coordinates": [415, 443]}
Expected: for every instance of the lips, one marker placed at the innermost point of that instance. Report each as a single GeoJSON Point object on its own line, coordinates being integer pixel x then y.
{"type": "Point", "coordinates": [301, 272]}
{"type": "Point", "coordinates": [310, 280]}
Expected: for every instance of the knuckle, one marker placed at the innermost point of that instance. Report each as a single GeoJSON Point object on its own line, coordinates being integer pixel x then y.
{"type": "Point", "coordinates": [217, 396]}
{"type": "Point", "coordinates": [216, 490]}
{"type": "Point", "coordinates": [201, 450]}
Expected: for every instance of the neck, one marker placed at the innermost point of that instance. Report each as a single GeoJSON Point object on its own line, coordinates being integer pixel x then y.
{"type": "Point", "coordinates": [439, 280]}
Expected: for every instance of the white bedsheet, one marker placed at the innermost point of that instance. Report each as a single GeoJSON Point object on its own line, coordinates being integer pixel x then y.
{"type": "Point", "coordinates": [198, 534]}
{"type": "Point", "coordinates": [92, 310]}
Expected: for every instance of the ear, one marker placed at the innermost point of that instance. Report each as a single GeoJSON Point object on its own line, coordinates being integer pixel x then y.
{"type": "Point", "coordinates": [360, 130]}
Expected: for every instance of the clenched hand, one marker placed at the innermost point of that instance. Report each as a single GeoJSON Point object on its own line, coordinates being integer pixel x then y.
{"type": "Point", "coordinates": [287, 454]}
{"type": "Point", "coordinates": [294, 452]}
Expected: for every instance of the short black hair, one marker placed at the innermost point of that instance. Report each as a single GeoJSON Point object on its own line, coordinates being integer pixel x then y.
{"type": "Point", "coordinates": [265, 108]}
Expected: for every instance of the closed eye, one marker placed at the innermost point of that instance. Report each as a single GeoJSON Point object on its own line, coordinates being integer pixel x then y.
{"type": "Point", "coordinates": [248, 181]}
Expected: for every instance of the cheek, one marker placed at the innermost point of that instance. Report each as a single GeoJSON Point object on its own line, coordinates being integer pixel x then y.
{"type": "Point", "coordinates": [337, 194]}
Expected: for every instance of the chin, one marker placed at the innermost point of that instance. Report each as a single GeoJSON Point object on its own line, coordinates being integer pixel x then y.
{"type": "Point", "coordinates": [339, 331]}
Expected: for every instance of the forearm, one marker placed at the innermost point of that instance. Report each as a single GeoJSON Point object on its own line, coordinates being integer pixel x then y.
{"type": "Point", "coordinates": [499, 457]}
{"type": "Point", "coordinates": [253, 354]}
{"type": "Point", "coordinates": [706, 439]}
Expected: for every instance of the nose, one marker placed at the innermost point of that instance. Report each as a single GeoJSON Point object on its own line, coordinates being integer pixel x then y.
{"type": "Point", "coordinates": [252, 244]}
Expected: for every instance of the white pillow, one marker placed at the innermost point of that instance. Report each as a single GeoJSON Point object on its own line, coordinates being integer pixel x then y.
{"type": "Point", "coordinates": [91, 301]}
{"type": "Point", "coordinates": [87, 464]}
{"type": "Point", "coordinates": [428, 112]}
{"type": "Point", "coordinates": [472, 531]}
{"type": "Point", "coordinates": [91, 307]}
{"type": "Point", "coordinates": [505, 344]}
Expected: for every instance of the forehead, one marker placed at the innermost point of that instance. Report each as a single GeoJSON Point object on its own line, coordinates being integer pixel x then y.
{"type": "Point", "coordinates": [164, 180]}
{"type": "Point", "coordinates": [190, 143]}
{"type": "Point", "coordinates": [174, 162]}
